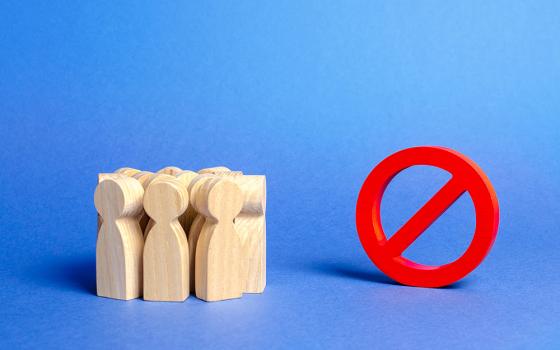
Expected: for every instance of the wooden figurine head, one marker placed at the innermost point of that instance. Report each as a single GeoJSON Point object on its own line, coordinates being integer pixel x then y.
{"type": "Point", "coordinates": [118, 196]}
{"type": "Point", "coordinates": [218, 199]}
{"type": "Point", "coordinates": [170, 170]}
{"type": "Point", "coordinates": [166, 198]}
{"type": "Point", "coordinates": [127, 171]}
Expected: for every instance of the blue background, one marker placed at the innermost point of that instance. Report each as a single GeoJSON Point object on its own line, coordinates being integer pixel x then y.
{"type": "Point", "coordinates": [313, 94]}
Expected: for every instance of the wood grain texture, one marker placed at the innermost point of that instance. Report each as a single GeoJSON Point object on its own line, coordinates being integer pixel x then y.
{"type": "Point", "coordinates": [193, 235]}
{"type": "Point", "coordinates": [214, 170]}
{"type": "Point", "coordinates": [170, 170]}
{"type": "Point", "coordinates": [166, 251]}
{"type": "Point", "coordinates": [186, 220]}
{"type": "Point", "coordinates": [143, 177]}
{"type": "Point", "coordinates": [101, 177]}
{"type": "Point", "coordinates": [252, 229]}
{"type": "Point", "coordinates": [121, 171]}
{"type": "Point", "coordinates": [196, 226]}
{"type": "Point", "coordinates": [127, 171]}
{"type": "Point", "coordinates": [118, 199]}
{"type": "Point", "coordinates": [155, 177]}
{"type": "Point", "coordinates": [218, 252]}
{"type": "Point", "coordinates": [250, 224]}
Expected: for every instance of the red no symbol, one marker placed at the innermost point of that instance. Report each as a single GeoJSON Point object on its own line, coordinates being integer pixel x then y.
{"type": "Point", "coordinates": [466, 176]}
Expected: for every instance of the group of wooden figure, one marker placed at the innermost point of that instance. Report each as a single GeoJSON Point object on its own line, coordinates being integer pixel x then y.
{"type": "Point", "coordinates": [164, 235]}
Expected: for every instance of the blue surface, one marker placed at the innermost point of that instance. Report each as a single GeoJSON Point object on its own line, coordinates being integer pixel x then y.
{"type": "Point", "coordinates": [313, 94]}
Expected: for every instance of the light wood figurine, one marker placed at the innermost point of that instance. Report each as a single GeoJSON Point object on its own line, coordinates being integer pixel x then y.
{"type": "Point", "coordinates": [196, 225]}
{"type": "Point", "coordinates": [218, 252]}
{"type": "Point", "coordinates": [250, 224]}
{"type": "Point", "coordinates": [166, 251]}
{"type": "Point", "coordinates": [118, 199]}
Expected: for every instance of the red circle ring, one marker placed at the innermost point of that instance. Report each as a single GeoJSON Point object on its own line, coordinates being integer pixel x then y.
{"type": "Point", "coordinates": [466, 177]}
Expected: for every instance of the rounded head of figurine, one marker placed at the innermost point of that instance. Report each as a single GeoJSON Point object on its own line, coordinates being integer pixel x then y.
{"type": "Point", "coordinates": [127, 171]}
{"type": "Point", "coordinates": [165, 199]}
{"type": "Point", "coordinates": [219, 199]}
{"type": "Point", "coordinates": [118, 196]}
{"type": "Point", "coordinates": [170, 170]}
{"type": "Point", "coordinates": [214, 170]}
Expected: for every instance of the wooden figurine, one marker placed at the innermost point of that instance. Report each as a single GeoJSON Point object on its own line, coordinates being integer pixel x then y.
{"type": "Point", "coordinates": [250, 224]}
{"type": "Point", "coordinates": [118, 199]}
{"type": "Point", "coordinates": [196, 225]}
{"type": "Point", "coordinates": [218, 253]}
{"type": "Point", "coordinates": [166, 251]}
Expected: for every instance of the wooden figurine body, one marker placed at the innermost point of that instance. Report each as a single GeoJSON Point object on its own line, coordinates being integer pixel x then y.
{"type": "Point", "coordinates": [196, 225]}
{"type": "Point", "coordinates": [193, 235]}
{"type": "Point", "coordinates": [250, 224]}
{"type": "Point", "coordinates": [118, 199]}
{"type": "Point", "coordinates": [166, 251]}
{"type": "Point", "coordinates": [252, 229]}
{"type": "Point", "coordinates": [218, 252]}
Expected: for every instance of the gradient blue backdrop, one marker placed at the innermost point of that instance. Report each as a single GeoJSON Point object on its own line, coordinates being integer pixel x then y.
{"type": "Point", "coordinates": [313, 94]}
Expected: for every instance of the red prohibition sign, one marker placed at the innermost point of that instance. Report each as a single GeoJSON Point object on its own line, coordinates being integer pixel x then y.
{"type": "Point", "coordinates": [386, 254]}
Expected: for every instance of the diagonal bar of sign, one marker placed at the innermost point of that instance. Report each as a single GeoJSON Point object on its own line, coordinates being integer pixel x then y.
{"type": "Point", "coordinates": [425, 216]}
